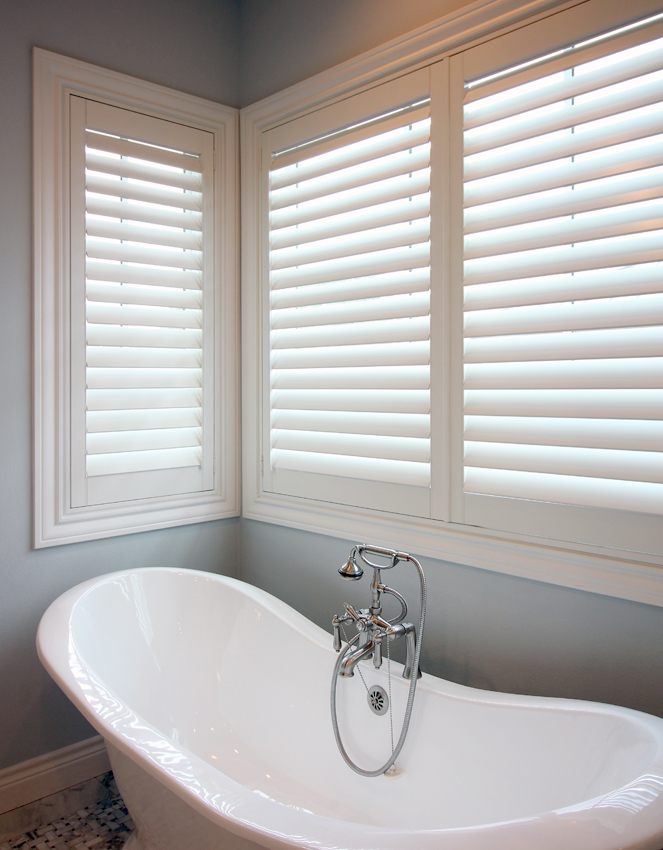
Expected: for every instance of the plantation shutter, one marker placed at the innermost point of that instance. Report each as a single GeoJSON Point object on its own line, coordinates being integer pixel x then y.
{"type": "Point", "coordinates": [563, 291]}
{"type": "Point", "coordinates": [142, 273]}
{"type": "Point", "coordinates": [349, 313]}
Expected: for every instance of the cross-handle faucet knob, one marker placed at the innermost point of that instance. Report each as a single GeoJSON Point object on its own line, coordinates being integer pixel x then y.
{"type": "Point", "coordinates": [353, 614]}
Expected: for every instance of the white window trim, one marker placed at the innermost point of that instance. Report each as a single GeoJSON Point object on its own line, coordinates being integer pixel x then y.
{"type": "Point", "coordinates": [610, 572]}
{"type": "Point", "coordinates": [55, 78]}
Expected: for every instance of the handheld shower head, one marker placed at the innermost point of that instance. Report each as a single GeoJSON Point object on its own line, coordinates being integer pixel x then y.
{"type": "Point", "coordinates": [351, 570]}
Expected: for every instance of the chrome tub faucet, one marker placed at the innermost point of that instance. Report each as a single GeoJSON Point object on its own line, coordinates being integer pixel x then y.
{"type": "Point", "coordinates": [372, 629]}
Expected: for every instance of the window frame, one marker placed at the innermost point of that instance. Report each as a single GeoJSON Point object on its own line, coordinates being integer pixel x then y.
{"type": "Point", "coordinates": [56, 78]}
{"type": "Point", "coordinates": [408, 88]}
{"type": "Point", "coordinates": [631, 531]}
{"type": "Point", "coordinates": [612, 572]}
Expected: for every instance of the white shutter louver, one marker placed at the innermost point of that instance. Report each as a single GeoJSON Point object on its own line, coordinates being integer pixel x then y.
{"type": "Point", "coordinates": [563, 305]}
{"type": "Point", "coordinates": [146, 430]}
{"type": "Point", "coordinates": [350, 313]}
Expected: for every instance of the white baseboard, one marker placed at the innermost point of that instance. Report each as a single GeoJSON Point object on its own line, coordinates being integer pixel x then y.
{"type": "Point", "coordinates": [45, 775]}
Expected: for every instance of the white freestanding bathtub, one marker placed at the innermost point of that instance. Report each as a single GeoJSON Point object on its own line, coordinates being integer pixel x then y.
{"type": "Point", "coordinates": [213, 698]}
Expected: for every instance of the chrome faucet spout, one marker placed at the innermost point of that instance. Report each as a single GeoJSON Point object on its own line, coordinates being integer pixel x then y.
{"type": "Point", "coordinates": [353, 658]}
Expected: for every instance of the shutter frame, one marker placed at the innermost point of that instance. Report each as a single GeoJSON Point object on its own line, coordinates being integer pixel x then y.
{"type": "Point", "coordinates": [325, 311]}
{"type": "Point", "coordinates": [120, 476]}
{"type": "Point", "coordinates": [58, 80]}
{"type": "Point", "coordinates": [491, 497]}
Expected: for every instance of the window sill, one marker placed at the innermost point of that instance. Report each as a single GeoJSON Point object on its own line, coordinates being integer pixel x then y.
{"type": "Point", "coordinates": [617, 573]}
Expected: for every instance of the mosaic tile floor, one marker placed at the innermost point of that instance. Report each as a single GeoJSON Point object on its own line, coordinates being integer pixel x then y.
{"type": "Point", "coordinates": [104, 826]}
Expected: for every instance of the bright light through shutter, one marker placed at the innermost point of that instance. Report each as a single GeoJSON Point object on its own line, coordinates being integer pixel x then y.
{"type": "Point", "coordinates": [146, 357]}
{"type": "Point", "coordinates": [563, 279]}
{"type": "Point", "coordinates": [144, 300]}
{"type": "Point", "coordinates": [350, 326]}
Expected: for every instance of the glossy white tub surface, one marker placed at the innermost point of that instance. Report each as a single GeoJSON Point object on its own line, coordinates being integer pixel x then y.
{"type": "Point", "coordinates": [213, 698]}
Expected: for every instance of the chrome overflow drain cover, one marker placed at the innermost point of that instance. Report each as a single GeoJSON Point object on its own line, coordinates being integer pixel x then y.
{"type": "Point", "coordinates": [378, 700]}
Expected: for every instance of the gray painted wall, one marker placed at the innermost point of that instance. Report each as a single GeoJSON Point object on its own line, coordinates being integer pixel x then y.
{"type": "Point", "coordinates": [483, 629]}
{"type": "Point", "coordinates": [189, 46]}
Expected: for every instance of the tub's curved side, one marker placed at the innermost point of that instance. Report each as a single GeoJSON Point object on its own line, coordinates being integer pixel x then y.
{"type": "Point", "coordinates": [211, 793]}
